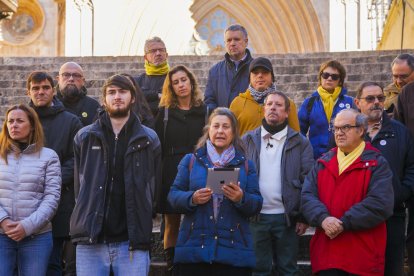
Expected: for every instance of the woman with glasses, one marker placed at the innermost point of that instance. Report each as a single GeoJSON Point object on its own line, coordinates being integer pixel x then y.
{"type": "Point", "coordinates": [30, 182]}
{"type": "Point", "coordinates": [316, 112]}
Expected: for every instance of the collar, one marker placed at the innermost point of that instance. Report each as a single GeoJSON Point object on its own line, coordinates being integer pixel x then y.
{"type": "Point", "coordinates": [277, 136]}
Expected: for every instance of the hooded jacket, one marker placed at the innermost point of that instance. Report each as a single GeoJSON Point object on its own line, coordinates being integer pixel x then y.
{"type": "Point", "coordinates": [362, 198]}
{"type": "Point", "coordinates": [249, 113]}
{"type": "Point", "coordinates": [59, 127]}
{"type": "Point", "coordinates": [142, 175]}
{"type": "Point", "coordinates": [203, 240]}
{"type": "Point", "coordinates": [225, 82]}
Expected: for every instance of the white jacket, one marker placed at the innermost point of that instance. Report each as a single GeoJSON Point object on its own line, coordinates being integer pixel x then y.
{"type": "Point", "coordinates": [30, 188]}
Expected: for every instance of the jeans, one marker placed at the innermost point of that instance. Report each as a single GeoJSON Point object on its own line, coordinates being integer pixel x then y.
{"type": "Point", "coordinates": [30, 255]}
{"type": "Point", "coordinates": [100, 259]}
{"type": "Point", "coordinates": [270, 228]}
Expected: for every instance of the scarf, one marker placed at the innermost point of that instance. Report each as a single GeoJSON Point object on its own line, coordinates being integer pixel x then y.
{"type": "Point", "coordinates": [219, 161]}
{"type": "Point", "coordinates": [344, 161]}
{"type": "Point", "coordinates": [274, 129]}
{"type": "Point", "coordinates": [260, 96]}
{"type": "Point", "coordinates": [328, 100]}
{"type": "Point", "coordinates": [158, 70]}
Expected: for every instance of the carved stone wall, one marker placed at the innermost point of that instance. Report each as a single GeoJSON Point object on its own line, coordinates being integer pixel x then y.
{"type": "Point", "coordinates": [32, 30]}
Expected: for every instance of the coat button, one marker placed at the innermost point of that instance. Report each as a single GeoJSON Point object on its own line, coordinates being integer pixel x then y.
{"type": "Point", "coordinates": [148, 143]}
{"type": "Point", "coordinates": [100, 187]}
{"type": "Point", "coordinates": [215, 237]}
{"type": "Point", "coordinates": [211, 217]}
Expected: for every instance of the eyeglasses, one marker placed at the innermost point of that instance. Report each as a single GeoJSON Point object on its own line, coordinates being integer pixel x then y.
{"type": "Point", "coordinates": [343, 129]}
{"type": "Point", "coordinates": [326, 76]}
{"type": "Point", "coordinates": [75, 76]}
{"type": "Point", "coordinates": [402, 77]}
{"type": "Point", "coordinates": [371, 98]}
{"type": "Point", "coordinates": [153, 51]}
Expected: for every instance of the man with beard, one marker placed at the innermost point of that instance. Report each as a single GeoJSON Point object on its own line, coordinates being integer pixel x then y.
{"type": "Point", "coordinates": [59, 126]}
{"type": "Point", "coordinates": [394, 141]}
{"type": "Point", "coordinates": [282, 157]}
{"type": "Point", "coordinates": [72, 92]}
{"type": "Point", "coordinates": [116, 172]}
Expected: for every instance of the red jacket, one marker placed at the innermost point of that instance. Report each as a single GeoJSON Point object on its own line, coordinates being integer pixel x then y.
{"type": "Point", "coordinates": [362, 198]}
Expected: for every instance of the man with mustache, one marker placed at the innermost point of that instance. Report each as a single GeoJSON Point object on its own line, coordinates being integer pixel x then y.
{"type": "Point", "coordinates": [282, 157]}
{"type": "Point", "coordinates": [71, 91]}
{"type": "Point", "coordinates": [394, 141]}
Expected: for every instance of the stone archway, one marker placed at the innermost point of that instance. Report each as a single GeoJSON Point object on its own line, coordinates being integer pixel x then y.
{"type": "Point", "coordinates": [273, 26]}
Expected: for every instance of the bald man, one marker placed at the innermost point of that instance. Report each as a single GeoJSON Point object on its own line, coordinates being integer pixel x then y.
{"type": "Point", "coordinates": [72, 92]}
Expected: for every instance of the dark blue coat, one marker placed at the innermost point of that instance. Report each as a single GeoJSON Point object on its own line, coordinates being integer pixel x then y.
{"type": "Point", "coordinates": [225, 82]}
{"type": "Point", "coordinates": [396, 145]}
{"type": "Point", "coordinates": [201, 239]}
{"type": "Point", "coordinates": [316, 122]}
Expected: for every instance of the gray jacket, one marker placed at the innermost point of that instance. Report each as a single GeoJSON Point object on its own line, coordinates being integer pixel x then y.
{"type": "Point", "coordinates": [297, 161]}
{"type": "Point", "coordinates": [30, 188]}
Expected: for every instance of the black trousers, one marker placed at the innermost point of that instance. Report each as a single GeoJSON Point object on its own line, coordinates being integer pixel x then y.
{"type": "Point", "coordinates": [214, 269]}
{"type": "Point", "coordinates": [334, 272]}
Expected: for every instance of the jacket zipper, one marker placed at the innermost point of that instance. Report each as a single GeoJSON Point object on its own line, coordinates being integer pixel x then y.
{"type": "Point", "coordinates": [110, 186]}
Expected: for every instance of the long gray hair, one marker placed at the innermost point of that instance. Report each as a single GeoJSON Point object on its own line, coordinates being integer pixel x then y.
{"type": "Point", "coordinates": [223, 111]}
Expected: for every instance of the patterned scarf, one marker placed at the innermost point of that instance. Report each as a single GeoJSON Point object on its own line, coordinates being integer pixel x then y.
{"type": "Point", "coordinates": [156, 70]}
{"type": "Point", "coordinates": [219, 161]}
{"type": "Point", "coordinates": [260, 96]}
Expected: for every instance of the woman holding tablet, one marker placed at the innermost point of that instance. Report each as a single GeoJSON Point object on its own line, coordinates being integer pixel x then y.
{"type": "Point", "coordinates": [214, 236]}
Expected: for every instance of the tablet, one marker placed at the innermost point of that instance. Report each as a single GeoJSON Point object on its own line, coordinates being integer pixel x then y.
{"type": "Point", "coordinates": [217, 177]}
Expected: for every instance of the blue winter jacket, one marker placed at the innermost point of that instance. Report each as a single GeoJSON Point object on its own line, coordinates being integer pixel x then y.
{"type": "Point", "coordinates": [316, 122]}
{"type": "Point", "coordinates": [201, 239]}
{"type": "Point", "coordinates": [225, 82]}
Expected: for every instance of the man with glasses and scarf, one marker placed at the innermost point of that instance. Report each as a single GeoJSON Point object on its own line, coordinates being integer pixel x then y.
{"type": "Point", "coordinates": [402, 68]}
{"type": "Point", "coordinates": [394, 141]}
{"type": "Point", "coordinates": [71, 91]}
{"type": "Point", "coordinates": [348, 196]}
{"type": "Point", "coordinates": [156, 69]}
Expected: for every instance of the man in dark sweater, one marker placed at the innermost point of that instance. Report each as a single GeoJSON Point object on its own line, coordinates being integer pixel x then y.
{"type": "Point", "coordinates": [59, 126]}
{"type": "Point", "coordinates": [71, 91]}
{"type": "Point", "coordinates": [156, 69]}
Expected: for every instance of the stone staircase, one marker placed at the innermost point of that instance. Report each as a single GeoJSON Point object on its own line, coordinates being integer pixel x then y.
{"type": "Point", "coordinates": [296, 74]}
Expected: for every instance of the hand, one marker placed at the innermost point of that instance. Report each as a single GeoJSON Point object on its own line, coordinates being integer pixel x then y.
{"type": "Point", "coordinates": [16, 232]}
{"type": "Point", "coordinates": [332, 227]}
{"type": "Point", "coordinates": [301, 228]}
{"type": "Point", "coordinates": [202, 196]}
{"type": "Point", "coordinates": [5, 224]}
{"type": "Point", "coordinates": [233, 192]}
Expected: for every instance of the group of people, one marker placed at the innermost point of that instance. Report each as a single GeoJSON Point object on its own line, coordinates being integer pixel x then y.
{"type": "Point", "coordinates": [80, 182]}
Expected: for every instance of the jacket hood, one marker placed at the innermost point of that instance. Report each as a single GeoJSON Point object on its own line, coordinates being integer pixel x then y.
{"type": "Point", "coordinates": [47, 111]}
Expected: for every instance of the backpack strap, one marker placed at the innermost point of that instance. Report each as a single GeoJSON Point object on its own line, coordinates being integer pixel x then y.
{"type": "Point", "coordinates": [309, 106]}
{"type": "Point", "coordinates": [165, 121]}
{"type": "Point", "coordinates": [207, 114]}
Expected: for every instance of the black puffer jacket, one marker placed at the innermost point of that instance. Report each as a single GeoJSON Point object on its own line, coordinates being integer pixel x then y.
{"type": "Point", "coordinates": [60, 126]}
{"type": "Point", "coordinates": [142, 175]}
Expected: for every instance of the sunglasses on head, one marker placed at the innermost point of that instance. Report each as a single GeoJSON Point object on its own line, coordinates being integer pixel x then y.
{"type": "Point", "coordinates": [371, 98]}
{"type": "Point", "coordinates": [326, 76]}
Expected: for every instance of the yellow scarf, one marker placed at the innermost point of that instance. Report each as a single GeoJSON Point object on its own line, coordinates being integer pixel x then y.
{"type": "Point", "coordinates": [328, 100]}
{"type": "Point", "coordinates": [344, 161]}
{"type": "Point", "coordinates": [151, 69]}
